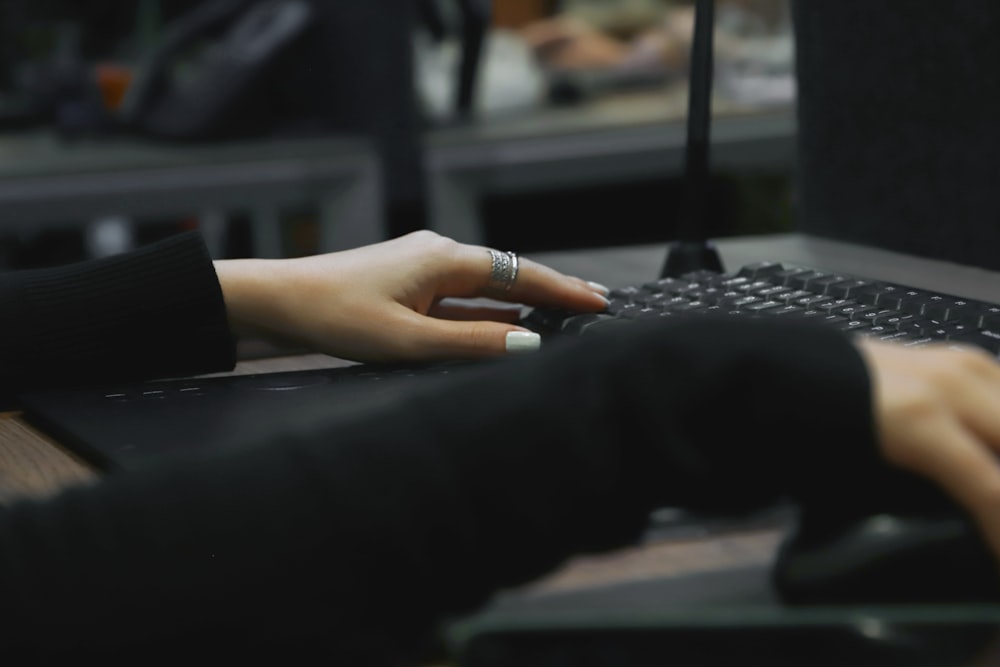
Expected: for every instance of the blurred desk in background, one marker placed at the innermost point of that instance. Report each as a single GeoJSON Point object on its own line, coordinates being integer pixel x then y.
{"type": "Point", "coordinates": [608, 140]}
{"type": "Point", "coordinates": [46, 182]}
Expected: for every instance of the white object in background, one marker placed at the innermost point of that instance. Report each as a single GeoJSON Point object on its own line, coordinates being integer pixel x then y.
{"type": "Point", "coordinates": [509, 79]}
{"type": "Point", "coordinates": [109, 236]}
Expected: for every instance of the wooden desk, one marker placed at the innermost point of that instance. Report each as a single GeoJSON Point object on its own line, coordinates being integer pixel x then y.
{"type": "Point", "coordinates": [33, 465]}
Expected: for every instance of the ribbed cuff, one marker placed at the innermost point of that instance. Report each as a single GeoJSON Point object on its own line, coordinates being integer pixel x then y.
{"type": "Point", "coordinates": [155, 311]}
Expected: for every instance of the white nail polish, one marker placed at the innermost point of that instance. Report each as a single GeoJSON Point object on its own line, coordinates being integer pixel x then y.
{"type": "Point", "coordinates": [523, 341]}
{"type": "Point", "coordinates": [598, 287]}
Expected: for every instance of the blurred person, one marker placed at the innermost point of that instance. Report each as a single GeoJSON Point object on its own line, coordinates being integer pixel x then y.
{"type": "Point", "coordinates": [652, 34]}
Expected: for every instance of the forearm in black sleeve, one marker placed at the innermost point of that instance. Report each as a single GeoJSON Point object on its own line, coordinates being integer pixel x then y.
{"type": "Point", "coordinates": [380, 520]}
{"type": "Point", "coordinates": [154, 311]}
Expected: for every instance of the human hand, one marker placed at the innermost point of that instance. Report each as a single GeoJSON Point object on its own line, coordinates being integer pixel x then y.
{"type": "Point", "coordinates": [568, 43]}
{"type": "Point", "coordinates": [405, 299]}
{"type": "Point", "coordinates": [937, 414]}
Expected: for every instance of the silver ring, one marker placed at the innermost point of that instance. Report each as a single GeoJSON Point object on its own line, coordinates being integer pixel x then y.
{"type": "Point", "coordinates": [504, 271]}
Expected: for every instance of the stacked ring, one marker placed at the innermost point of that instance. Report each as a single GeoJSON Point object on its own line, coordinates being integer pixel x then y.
{"type": "Point", "coordinates": [504, 271]}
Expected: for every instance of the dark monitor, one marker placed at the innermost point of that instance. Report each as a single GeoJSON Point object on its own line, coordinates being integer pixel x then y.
{"type": "Point", "coordinates": [899, 121]}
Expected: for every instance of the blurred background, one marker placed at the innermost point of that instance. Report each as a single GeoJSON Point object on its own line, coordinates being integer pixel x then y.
{"type": "Point", "coordinates": [288, 127]}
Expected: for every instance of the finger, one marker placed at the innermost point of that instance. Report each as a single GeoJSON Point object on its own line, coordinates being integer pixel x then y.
{"type": "Point", "coordinates": [978, 361]}
{"type": "Point", "coordinates": [977, 406]}
{"type": "Point", "coordinates": [453, 310]}
{"type": "Point", "coordinates": [540, 285]}
{"type": "Point", "coordinates": [968, 472]}
{"type": "Point", "coordinates": [958, 461]}
{"type": "Point", "coordinates": [535, 284]}
{"type": "Point", "coordinates": [970, 381]}
{"type": "Point", "coordinates": [446, 339]}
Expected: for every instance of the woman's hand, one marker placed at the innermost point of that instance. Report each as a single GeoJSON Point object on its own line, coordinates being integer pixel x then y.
{"type": "Point", "coordinates": [406, 299]}
{"type": "Point", "coordinates": [937, 413]}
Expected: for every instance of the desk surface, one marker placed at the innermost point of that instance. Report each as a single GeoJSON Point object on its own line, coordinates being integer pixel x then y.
{"type": "Point", "coordinates": [45, 181]}
{"type": "Point", "coordinates": [615, 139]}
{"type": "Point", "coordinates": [43, 153]}
{"type": "Point", "coordinates": [32, 464]}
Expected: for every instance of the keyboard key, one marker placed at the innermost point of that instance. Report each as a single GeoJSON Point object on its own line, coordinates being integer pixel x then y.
{"type": "Point", "coordinates": [701, 276]}
{"type": "Point", "coordinates": [886, 296]}
{"type": "Point", "coordinates": [990, 317]}
{"type": "Point", "coordinates": [885, 333]}
{"type": "Point", "coordinates": [624, 309]}
{"type": "Point", "coordinates": [823, 284]}
{"type": "Point", "coordinates": [834, 304]}
{"type": "Point", "coordinates": [665, 301]}
{"type": "Point", "coordinates": [988, 340]}
{"type": "Point", "coordinates": [689, 307]}
{"type": "Point", "coordinates": [869, 295]}
{"type": "Point", "coordinates": [813, 301]}
{"type": "Point", "coordinates": [913, 302]}
{"type": "Point", "coordinates": [750, 288]}
{"type": "Point", "coordinates": [640, 312]}
{"type": "Point", "coordinates": [802, 280]}
{"type": "Point", "coordinates": [784, 277]}
{"type": "Point", "coordinates": [791, 311]}
{"type": "Point", "coordinates": [874, 315]}
{"type": "Point", "coordinates": [615, 304]}
{"type": "Point", "coordinates": [850, 310]}
{"type": "Point", "coordinates": [733, 283]}
{"type": "Point", "coordinates": [626, 293]}
{"type": "Point", "coordinates": [665, 285]}
{"type": "Point", "coordinates": [746, 301]}
{"type": "Point", "coordinates": [959, 310]}
{"type": "Point", "coordinates": [709, 295]}
{"type": "Point", "coordinates": [762, 305]}
{"type": "Point", "coordinates": [891, 317]}
{"type": "Point", "coordinates": [775, 292]}
{"type": "Point", "coordinates": [854, 325]}
{"type": "Point", "coordinates": [759, 270]}
{"type": "Point", "coordinates": [795, 295]}
{"type": "Point", "coordinates": [578, 324]}
{"type": "Point", "coordinates": [847, 289]}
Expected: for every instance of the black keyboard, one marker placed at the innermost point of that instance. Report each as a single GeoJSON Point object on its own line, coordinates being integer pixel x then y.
{"type": "Point", "coordinates": [885, 310]}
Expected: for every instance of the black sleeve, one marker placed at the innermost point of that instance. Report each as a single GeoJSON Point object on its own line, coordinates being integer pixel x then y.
{"type": "Point", "coordinates": [154, 311]}
{"type": "Point", "coordinates": [362, 528]}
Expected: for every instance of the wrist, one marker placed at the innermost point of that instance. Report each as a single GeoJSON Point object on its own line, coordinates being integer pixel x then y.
{"type": "Point", "coordinates": [250, 292]}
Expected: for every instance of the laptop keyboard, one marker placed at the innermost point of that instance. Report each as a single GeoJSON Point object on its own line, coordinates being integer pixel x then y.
{"type": "Point", "coordinates": [886, 310]}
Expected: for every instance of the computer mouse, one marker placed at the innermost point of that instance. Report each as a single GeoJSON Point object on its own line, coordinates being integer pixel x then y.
{"type": "Point", "coordinates": [886, 559]}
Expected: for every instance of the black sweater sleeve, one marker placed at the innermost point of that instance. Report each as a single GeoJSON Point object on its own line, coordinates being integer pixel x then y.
{"type": "Point", "coordinates": [362, 528]}
{"type": "Point", "coordinates": [154, 311]}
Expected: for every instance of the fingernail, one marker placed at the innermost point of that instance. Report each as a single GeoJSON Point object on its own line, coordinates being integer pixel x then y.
{"type": "Point", "coordinates": [523, 341]}
{"type": "Point", "coordinates": [598, 287]}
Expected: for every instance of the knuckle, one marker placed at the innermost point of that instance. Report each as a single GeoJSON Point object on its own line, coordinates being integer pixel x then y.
{"type": "Point", "coordinates": [425, 235]}
{"type": "Point", "coordinates": [974, 360]}
{"type": "Point", "coordinates": [474, 337]}
{"type": "Point", "coordinates": [922, 406]}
